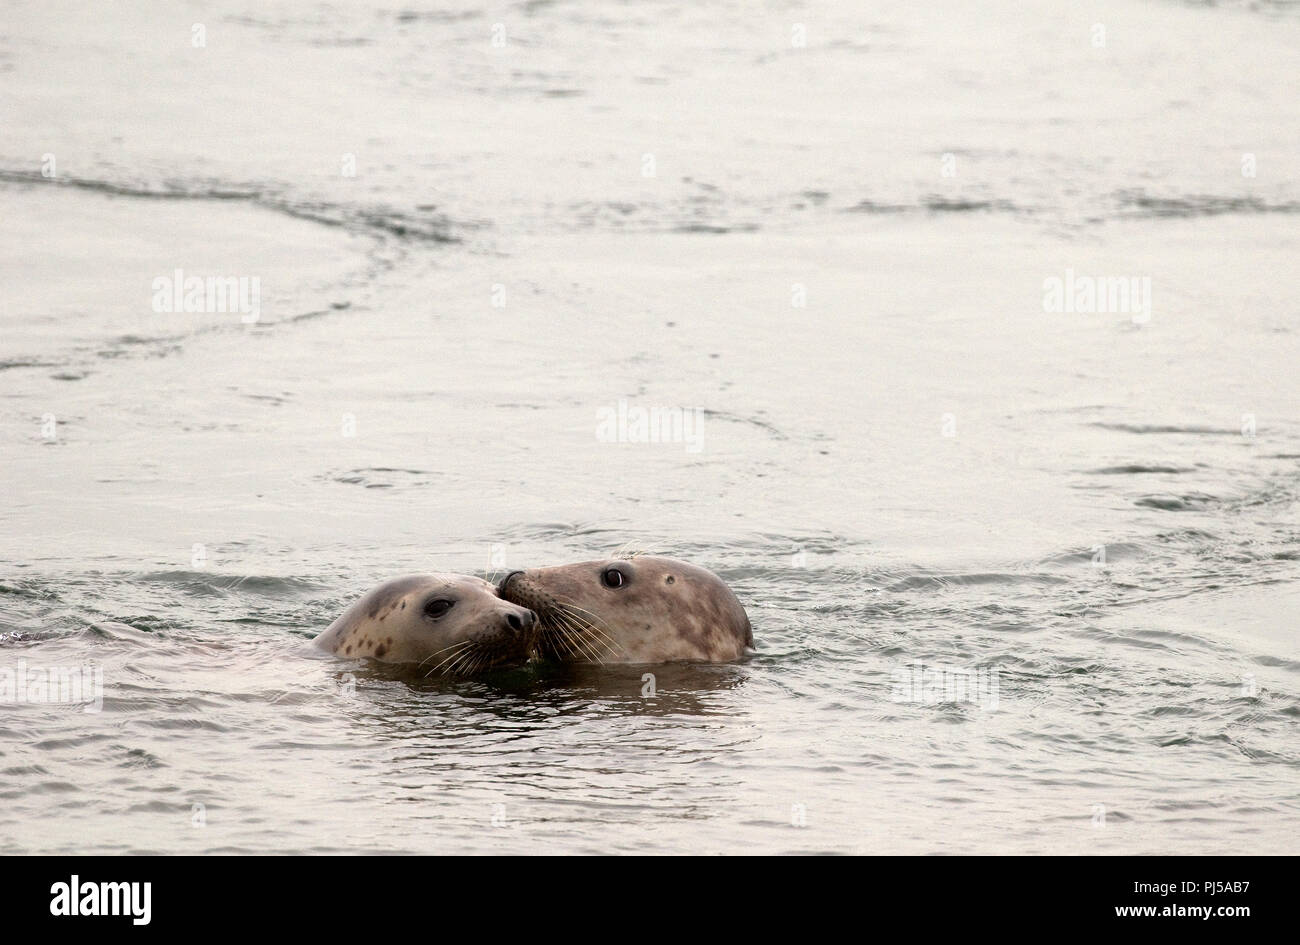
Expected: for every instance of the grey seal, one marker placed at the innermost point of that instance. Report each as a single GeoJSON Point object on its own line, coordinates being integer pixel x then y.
{"type": "Point", "coordinates": [452, 623]}
{"type": "Point", "coordinates": [640, 609]}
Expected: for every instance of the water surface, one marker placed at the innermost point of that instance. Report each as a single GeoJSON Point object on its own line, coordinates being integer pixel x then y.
{"type": "Point", "coordinates": [838, 261]}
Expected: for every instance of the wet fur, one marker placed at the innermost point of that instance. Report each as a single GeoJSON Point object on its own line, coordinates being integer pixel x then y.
{"type": "Point", "coordinates": [389, 624]}
{"type": "Point", "coordinates": [668, 610]}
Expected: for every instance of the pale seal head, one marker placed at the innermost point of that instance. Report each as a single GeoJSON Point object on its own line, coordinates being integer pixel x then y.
{"type": "Point", "coordinates": [451, 624]}
{"type": "Point", "coordinates": [643, 609]}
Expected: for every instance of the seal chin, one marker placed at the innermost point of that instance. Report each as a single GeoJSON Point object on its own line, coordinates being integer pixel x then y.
{"type": "Point", "coordinates": [513, 641]}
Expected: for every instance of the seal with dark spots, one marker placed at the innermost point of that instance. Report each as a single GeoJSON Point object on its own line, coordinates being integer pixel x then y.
{"type": "Point", "coordinates": [450, 623]}
{"type": "Point", "coordinates": [643, 609]}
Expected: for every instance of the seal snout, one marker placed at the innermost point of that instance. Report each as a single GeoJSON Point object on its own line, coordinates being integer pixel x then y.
{"type": "Point", "coordinates": [518, 629]}
{"type": "Point", "coordinates": [522, 621]}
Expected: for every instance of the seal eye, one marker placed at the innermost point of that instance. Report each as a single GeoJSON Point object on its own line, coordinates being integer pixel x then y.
{"type": "Point", "coordinates": [437, 607]}
{"type": "Point", "coordinates": [612, 577]}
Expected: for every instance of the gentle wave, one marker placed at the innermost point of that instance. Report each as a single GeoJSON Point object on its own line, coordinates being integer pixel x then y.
{"type": "Point", "coordinates": [1140, 204]}
{"type": "Point", "coordinates": [676, 213]}
{"type": "Point", "coordinates": [407, 224]}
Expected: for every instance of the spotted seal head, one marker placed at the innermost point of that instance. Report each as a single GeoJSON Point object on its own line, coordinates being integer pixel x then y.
{"type": "Point", "coordinates": [451, 623]}
{"type": "Point", "coordinates": [643, 609]}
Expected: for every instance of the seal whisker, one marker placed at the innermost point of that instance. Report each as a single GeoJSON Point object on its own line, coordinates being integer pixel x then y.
{"type": "Point", "coordinates": [565, 637]}
{"type": "Point", "coordinates": [589, 637]}
{"type": "Point", "coordinates": [461, 650]}
{"type": "Point", "coordinates": [570, 632]}
{"type": "Point", "coordinates": [455, 646]}
{"type": "Point", "coordinates": [588, 646]}
{"type": "Point", "coordinates": [594, 629]}
{"type": "Point", "coordinates": [444, 650]}
{"type": "Point", "coordinates": [593, 626]}
{"type": "Point", "coordinates": [481, 660]}
{"type": "Point", "coordinates": [631, 550]}
{"type": "Point", "coordinates": [460, 667]}
{"type": "Point", "coordinates": [590, 634]}
{"type": "Point", "coordinates": [575, 609]}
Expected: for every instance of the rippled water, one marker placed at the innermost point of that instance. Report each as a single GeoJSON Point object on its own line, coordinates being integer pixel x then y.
{"type": "Point", "coordinates": [918, 466]}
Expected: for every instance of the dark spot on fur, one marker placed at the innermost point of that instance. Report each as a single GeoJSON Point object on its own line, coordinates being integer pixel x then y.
{"type": "Point", "coordinates": [403, 605]}
{"type": "Point", "coordinates": [381, 650]}
{"type": "Point", "coordinates": [389, 596]}
{"type": "Point", "coordinates": [389, 641]}
{"type": "Point", "coordinates": [669, 579]}
{"type": "Point", "coordinates": [349, 648]}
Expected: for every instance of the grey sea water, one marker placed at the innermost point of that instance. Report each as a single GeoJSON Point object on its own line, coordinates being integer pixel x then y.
{"type": "Point", "coordinates": [1024, 577]}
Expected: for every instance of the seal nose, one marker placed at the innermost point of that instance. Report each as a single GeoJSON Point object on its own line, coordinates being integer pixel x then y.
{"type": "Point", "coordinates": [501, 588]}
{"type": "Point", "coordinates": [521, 621]}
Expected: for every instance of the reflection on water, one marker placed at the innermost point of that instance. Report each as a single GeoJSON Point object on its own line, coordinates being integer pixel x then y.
{"type": "Point", "coordinates": [667, 689]}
